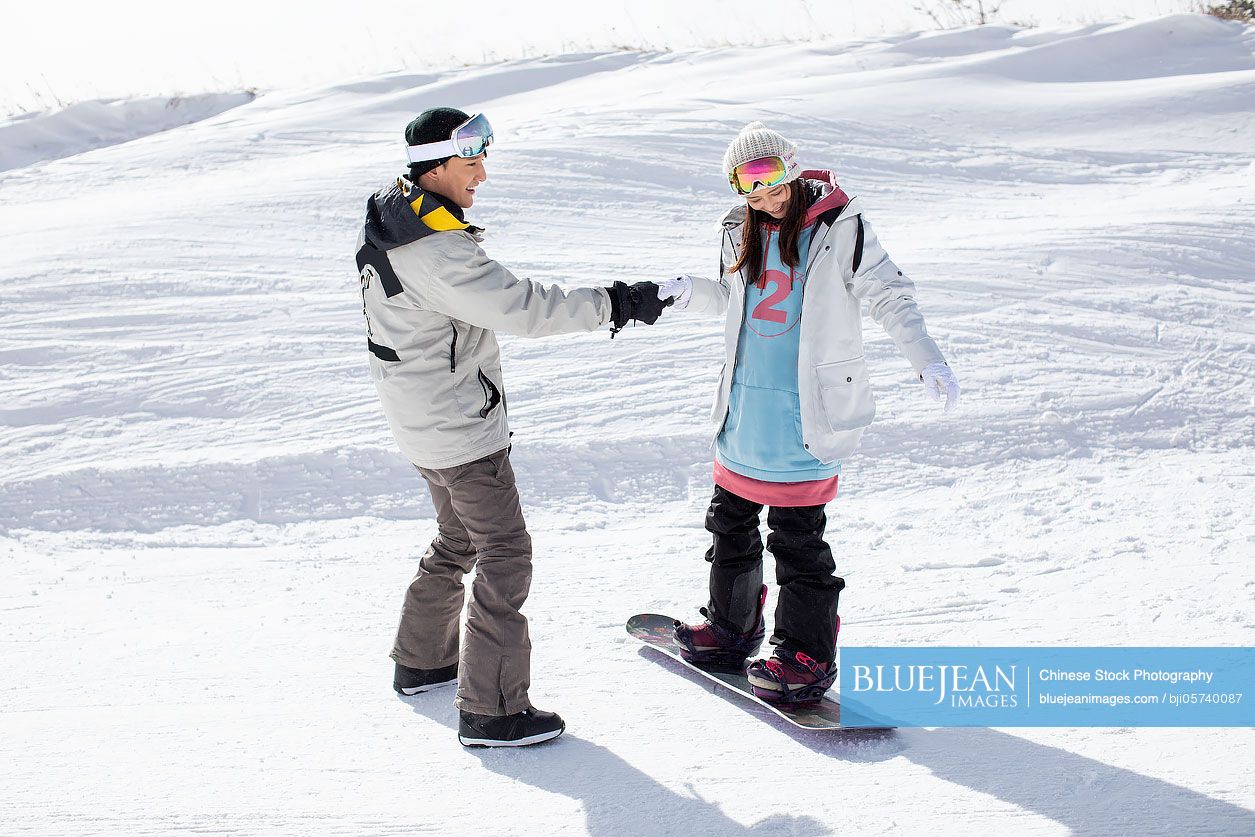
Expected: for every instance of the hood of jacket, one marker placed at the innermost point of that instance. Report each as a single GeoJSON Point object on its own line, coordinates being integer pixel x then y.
{"type": "Point", "coordinates": [403, 213]}
{"type": "Point", "coordinates": [822, 194]}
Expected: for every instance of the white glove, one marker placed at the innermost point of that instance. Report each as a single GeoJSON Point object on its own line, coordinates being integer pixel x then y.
{"type": "Point", "coordinates": [939, 380]}
{"type": "Point", "coordinates": [681, 287]}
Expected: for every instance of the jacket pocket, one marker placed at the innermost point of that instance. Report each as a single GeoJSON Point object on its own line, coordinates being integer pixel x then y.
{"type": "Point", "coordinates": [492, 395]}
{"type": "Point", "coordinates": [382, 352]}
{"type": "Point", "coordinates": [846, 393]}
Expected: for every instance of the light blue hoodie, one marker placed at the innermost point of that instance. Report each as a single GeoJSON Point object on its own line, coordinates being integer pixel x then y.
{"type": "Point", "coordinates": [762, 435]}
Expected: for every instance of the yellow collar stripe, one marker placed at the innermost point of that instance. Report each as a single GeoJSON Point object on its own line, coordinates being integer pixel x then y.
{"type": "Point", "coordinates": [439, 219]}
{"type": "Point", "coordinates": [442, 219]}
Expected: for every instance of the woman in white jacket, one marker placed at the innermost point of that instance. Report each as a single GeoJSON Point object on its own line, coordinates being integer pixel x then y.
{"type": "Point", "coordinates": [798, 260]}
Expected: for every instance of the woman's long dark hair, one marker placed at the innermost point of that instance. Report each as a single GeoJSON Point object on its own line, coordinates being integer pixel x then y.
{"type": "Point", "coordinates": [791, 225]}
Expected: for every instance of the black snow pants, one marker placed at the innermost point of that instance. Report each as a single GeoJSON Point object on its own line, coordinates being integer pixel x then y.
{"type": "Point", "coordinates": [806, 612]}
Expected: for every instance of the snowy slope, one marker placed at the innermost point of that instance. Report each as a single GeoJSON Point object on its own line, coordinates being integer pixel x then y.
{"type": "Point", "coordinates": [206, 529]}
{"type": "Point", "coordinates": [76, 50]}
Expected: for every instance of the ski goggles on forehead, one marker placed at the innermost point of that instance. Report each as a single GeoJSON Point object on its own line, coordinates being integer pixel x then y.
{"type": "Point", "coordinates": [765, 172]}
{"type": "Point", "coordinates": [470, 139]}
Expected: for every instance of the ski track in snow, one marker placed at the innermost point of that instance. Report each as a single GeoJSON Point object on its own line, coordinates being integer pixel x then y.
{"type": "Point", "coordinates": [207, 530]}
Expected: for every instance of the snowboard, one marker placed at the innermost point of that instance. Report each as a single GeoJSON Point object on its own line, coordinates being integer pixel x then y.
{"type": "Point", "coordinates": [655, 631]}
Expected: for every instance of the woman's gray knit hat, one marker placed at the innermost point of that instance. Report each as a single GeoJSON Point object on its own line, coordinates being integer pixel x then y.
{"type": "Point", "coordinates": [757, 140]}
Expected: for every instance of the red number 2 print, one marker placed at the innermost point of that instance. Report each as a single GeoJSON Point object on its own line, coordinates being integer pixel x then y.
{"type": "Point", "coordinates": [766, 309]}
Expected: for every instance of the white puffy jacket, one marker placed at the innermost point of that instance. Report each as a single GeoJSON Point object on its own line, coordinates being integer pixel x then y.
{"type": "Point", "coordinates": [833, 385]}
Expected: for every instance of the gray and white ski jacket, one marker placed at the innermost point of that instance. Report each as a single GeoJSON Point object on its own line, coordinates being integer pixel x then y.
{"type": "Point", "coordinates": [432, 301]}
{"type": "Point", "coordinates": [846, 266]}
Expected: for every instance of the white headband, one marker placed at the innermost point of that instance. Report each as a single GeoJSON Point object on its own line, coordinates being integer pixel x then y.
{"type": "Point", "coordinates": [431, 151]}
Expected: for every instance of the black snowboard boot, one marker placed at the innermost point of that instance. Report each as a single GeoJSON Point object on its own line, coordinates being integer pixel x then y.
{"type": "Point", "coordinates": [411, 681]}
{"type": "Point", "coordinates": [531, 726]}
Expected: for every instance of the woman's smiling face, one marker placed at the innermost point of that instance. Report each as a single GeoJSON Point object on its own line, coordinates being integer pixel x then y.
{"type": "Point", "coordinates": [771, 201]}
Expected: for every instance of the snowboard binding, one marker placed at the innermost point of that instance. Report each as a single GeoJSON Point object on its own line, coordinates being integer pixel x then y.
{"type": "Point", "coordinates": [791, 677]}
{"type": "Point", "coordinates": [801, 696]}
{"type": "Point", "coordinates": [716, 644]}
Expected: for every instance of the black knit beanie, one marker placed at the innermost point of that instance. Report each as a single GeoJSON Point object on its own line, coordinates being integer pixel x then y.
{"type": "Point", "coordinates": [432, 125]}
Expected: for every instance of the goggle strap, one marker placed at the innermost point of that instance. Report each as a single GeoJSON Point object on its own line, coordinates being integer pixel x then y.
{"type": "Point", "coordinates": [431, 151]}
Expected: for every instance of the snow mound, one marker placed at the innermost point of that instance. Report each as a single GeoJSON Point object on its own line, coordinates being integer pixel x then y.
{"type": "Point", "coordinates": [1175, 45]}
{"type": "Point", "coordinates": [51, 135]}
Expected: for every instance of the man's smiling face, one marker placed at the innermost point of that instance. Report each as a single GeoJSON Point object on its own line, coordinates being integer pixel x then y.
{"type": "Point", "coordinates": [457, 179]}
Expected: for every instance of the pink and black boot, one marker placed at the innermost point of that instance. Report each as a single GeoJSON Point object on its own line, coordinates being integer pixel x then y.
{"type": "Point", "coordinates": [791, 677]}
{"type": "Point", "coordinates": [716, 643]}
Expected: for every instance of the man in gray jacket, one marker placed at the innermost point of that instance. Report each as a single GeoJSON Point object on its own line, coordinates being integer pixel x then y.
{"type": "Point", "coordinates": [433, 301]}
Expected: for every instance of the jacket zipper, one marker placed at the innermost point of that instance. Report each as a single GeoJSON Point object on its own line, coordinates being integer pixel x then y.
{"type": "Point", "coordinates": [453, 349]}
{"type": "Point", "coordinates": [814, 260]}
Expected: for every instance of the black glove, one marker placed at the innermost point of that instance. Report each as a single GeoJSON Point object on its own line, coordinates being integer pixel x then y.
{"type": "Point", "coordinates": [635, 302]}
